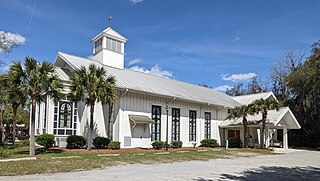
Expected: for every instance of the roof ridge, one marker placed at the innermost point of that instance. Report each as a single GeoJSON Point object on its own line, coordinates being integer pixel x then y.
{"type": "Point", "coordinates": [141, 72]}
{"type": "Point", "coordinates": [254, 94]}
{"type": "Point", "coordinates": [158, 77]}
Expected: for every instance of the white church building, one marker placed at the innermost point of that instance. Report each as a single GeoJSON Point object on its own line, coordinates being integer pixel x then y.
{"type": "Point", "coordinates": [148, 108]}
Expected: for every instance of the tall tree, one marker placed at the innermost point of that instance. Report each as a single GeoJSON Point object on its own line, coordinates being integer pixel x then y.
{"type": "Point", "coordinates": [236, 90]}
{"type": "Point", "coordinates": [37, 80]}
{"type": "Point", "coordinates": [304, 89]}
{"type": "Point", "coordinates": [255, 85]}
{"type": "Point", "coordinates": [16, 97]}
{"type": "Point", "coordinates": [281, 70]}
{"type": "Point", "coordinates": [8, 41]}
{"type": "Point", "coordinates": [3, 104]}
{"type": "Point", "coordinates": [263, 106]}
{"type": "Point", "coordinates": [242, 112]}
{"type": "Point", "coordinates": [92, 85]}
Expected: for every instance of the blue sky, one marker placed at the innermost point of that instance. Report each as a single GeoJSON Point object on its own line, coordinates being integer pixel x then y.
{"type": "Point", "coordinates": [203, 41]}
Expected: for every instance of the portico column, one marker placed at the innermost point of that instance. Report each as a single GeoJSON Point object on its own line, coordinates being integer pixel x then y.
{"type": "Point", "coordinates": [285, 137]}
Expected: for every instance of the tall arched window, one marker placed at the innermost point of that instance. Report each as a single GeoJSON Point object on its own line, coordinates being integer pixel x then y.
{"type": "Point", "coordinates": [156, 126]}
{"type": "Point", "coordinates": [65, 119]}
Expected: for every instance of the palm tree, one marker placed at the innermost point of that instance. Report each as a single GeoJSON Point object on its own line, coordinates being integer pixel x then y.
{"type": "Point", "coordinates": [263, 105]}
{"type": "Point", "coordinates": [91, 85]}
{"type": "Point", "coordinates": [16, 98]}
{"type": "Point", "coordinates": [242, 112]}
{"type": "Point", "coordinates": [37, 81]}
{"type": "Point", "coordinates": [3, 104]}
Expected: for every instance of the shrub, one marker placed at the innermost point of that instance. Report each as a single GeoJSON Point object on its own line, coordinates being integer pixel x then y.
{"type": "Point", "coordinates": [209, 143]}
{"type": "Point", "coordinates": [46, 140]}
{"type": "Point", "coordinates": [75, 142]}
{"type": "Point", "coordinates": [176, 144]}
{"type": "Point", "coordinates": [158, 145]}
{"type": "Point", "coordinates": [114, 145]}
{"type": "Point", "coordinates": [23, 143]}
{"type": "Point", "coordinates": [234, 143]}
{"type": "Point", "coordinates": [4, 152]}
{"type": "Point", "coordinates": [101, 142]}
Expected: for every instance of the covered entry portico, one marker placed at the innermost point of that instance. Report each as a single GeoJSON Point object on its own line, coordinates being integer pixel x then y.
{"type": "Point", "coordinates": [282, 119]}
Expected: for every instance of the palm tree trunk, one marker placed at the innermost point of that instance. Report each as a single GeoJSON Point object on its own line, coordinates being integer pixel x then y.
{"type": "Point", "coordinates": [32, 127]}
{"type": "Point", "coordinates": [90, 126]}
{"type": "Point", "coordinates": [262, 134]}
{"type": "Point", "coordinates": [1, 126]}
{"type": "Point", "coordinates": [264, 119]}
{"type": "Point", "coordinates": [14, 122]}
{"type": "Point", "coordinates": [245, 133]}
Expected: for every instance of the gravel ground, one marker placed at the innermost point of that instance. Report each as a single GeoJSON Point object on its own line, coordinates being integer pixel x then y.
{"type": "Point", "coordinates": [289, 165]}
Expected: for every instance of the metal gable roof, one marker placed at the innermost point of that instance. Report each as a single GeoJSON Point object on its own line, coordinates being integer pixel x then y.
{"type": "Point", "coordinates": [142, 82]}
{"type": "Point", "coordinates": [248, 99]}
{"type": "Point", "coordinates": [274, 117]}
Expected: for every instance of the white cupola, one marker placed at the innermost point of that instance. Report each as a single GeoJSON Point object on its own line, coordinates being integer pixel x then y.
{"type": "Point", "coordinates": [108, 48]}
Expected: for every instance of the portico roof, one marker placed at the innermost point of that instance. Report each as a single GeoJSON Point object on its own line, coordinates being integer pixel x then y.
{"type": "Point", "coordinates": [281, 118]}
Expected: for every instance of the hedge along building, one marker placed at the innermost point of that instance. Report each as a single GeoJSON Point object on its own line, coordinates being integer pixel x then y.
{"type": "Point", "coordinates": [149, 108]}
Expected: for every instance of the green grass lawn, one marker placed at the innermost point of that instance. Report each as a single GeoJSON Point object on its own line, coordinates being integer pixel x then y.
{"type": "Point", "coordinates": [88, 160]}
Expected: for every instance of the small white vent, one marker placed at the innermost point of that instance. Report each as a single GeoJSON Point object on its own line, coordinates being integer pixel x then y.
{"type": "Point", "coordinates": [61, 142]}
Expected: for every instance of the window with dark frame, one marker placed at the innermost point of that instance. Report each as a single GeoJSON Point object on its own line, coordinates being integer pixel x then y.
{"type": "Point", "coordinates": [175, 124]}
{"type": "Point", "coordinates": [192, 125]}
{"type": "Point", "coordinates": [65, 115]}
{"type": "Point", "coordinates": [98, 45]}
{"type": "Point", "coordinates": [65, 118]}
{"type": "Point", "coordinates": [156, 126]}
{"type": "Point", "coordinates": [113, 45]}
{"type": "Point", "coordinates": [207, 125]}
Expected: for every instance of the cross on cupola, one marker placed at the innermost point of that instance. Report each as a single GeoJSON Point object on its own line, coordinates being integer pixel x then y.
{"type": "Point", "coordinates": [108, 47]}
{"type": "Point", "coordinates": [109, 20]}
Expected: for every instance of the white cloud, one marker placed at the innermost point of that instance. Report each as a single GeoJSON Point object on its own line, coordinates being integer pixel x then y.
{"type": "Point", "coordinates": [155, 70]}
{"type": "Point", "coordinates": [134, 61]}
{"type": "Point", "coordinates": [222, 88]}
{"type": "Point", "coordinates": [237, 38]}
{"type": "Point", "coordinates": [136, 1]}
{"type": "Point", "coordinates": [238, 77]}
{"type": "Point", "coordinates": [10, 40]}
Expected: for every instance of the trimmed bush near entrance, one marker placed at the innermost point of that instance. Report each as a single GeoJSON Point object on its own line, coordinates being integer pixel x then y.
{"type": "Point", "coordinates": [209, 143]}
{"type": "Point", "coordinates": [114, 145]}
{"type": "Point", "coordinates": [75, 142]}
{"type": "Point", "coordinates": [158, 145]}
{"type": "Point", "coordinates": [176, 144]}
{"type": "Point", "coordinates": [234, 143]}
{"type": "Point", "coordinates": [46, 140]}
{"type": "Point", "coordinates": [101, 142]}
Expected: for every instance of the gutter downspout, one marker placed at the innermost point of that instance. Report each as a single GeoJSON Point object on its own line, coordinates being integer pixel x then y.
{"type": "Point", "coordinates": [126, 90]}
{"type": "Point", "coordinates": [167, 111]}
{"type": "Point", "coordinates": [224, 129]}
{"type": "Point", "coordinates": [217, 112]}
{"type": "Point", "coordinates": [124, 93]}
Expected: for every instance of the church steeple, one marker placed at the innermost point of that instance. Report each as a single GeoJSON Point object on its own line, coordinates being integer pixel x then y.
{"type": "Point", "coordinates": [108, 47]}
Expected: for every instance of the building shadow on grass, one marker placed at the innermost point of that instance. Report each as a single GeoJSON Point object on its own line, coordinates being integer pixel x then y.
{"type": "Point", "coordinates": [273, 173]}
